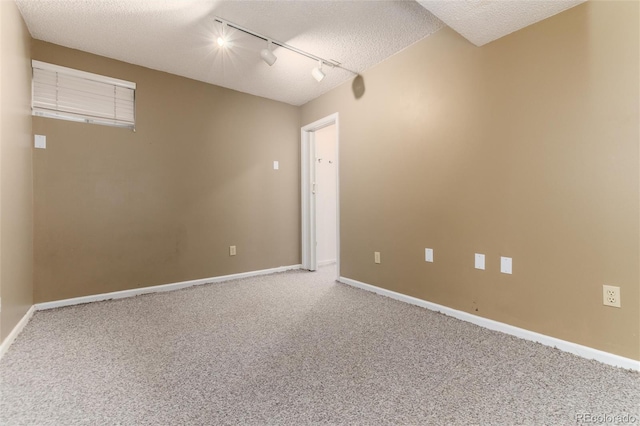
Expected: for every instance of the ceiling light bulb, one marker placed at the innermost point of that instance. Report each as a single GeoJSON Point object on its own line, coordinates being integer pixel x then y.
{"type": "Point", "coordinates": [267, 55]}
{"type": "Point", "coordinates": [222, 40]}
{"type": "Point", "coordinates": [317, 73]}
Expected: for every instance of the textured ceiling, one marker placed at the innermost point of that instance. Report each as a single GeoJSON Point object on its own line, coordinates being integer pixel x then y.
{"type": "Point", "coordinates": [178, 36]}
{"type": "Point", "coordinates": [482, 21]}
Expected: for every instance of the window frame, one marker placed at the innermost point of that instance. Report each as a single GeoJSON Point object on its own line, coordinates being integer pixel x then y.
{"type": "Point", "coordinates": [39, 111]}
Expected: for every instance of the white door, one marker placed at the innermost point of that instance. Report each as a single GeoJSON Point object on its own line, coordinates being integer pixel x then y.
{"type": "Point", "coordinates": [326, 195]}
{"type": "Point", "coordinates": [310, 196]}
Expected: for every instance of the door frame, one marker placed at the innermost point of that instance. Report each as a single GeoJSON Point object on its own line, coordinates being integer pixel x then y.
{"type": "Point", "coordinates": [308, 172]}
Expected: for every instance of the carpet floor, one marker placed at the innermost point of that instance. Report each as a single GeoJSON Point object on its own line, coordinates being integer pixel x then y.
{"type": "Point", "coordinates": [293, 348]}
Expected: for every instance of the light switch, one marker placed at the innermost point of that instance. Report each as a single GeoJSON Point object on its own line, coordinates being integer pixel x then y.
{"type": "Point", "coordinates": [428, 255]}
{"type": "Point", "coordinates": [505, 265]}
{"type": "Point", "coordinates": [479, 261]}
{"type": "Point", "coordinates": [40, 141]}
{"type": "Point", "coordinates": [376, 256]}
{"type": "Point", "coordinates": [276, 165]}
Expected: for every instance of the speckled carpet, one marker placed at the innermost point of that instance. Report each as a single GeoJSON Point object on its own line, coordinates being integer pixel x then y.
{"type": "Point", "coordinates": [293, 348]}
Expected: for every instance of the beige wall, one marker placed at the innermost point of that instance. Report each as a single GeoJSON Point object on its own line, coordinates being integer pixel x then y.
{"type": "Point", "coordinates": [16, 184]}
{"type": "Point", "coordinates": [526, 147]}
{"type": "Point", "coordinates": [118, 210]}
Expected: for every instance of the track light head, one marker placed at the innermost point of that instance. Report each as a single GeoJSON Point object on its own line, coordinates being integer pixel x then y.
{"type": "Point", "coordinates": [223, 40]}
{"type": "Point", "coordinates": [267, 55]}
{"type": "Point", "coordinates": [317, 72]}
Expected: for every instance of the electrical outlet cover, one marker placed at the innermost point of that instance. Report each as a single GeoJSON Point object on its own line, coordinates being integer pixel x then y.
{"type": "Point", "coordinates": [611, 296]}
{"type": "Point", "coordinates": [428, 255]}
{"type": "Point", "coordinates": [505, 265]}
{"type": "Point", "coordinates": [40, 141]}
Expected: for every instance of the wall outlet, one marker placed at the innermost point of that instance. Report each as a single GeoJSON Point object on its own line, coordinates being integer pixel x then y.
{"type": "Point", "coordinates": [611, 296]}
{"type": "Point", "coordinates": [376, 256]}
{"type": "Point", "coordinates": [479, 261]}
{"type": "Point", "coordinates": [40, 141]}
{"type": "Point", "coordinates": [506, 265]}
{"type": "Point", "coordinates": [428, 255]}
{"type": "Point", "coordinates": [232, 250]}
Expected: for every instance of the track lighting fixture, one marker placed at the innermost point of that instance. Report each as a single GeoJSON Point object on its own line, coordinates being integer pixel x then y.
{"type": "Point", "coordinates": [267, 55]}
{"type": "Point", "coordinates": [317, 72]}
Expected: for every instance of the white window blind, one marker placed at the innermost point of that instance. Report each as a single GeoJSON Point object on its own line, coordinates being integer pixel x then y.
{"type": "Point", "coordinates": [68, 94]}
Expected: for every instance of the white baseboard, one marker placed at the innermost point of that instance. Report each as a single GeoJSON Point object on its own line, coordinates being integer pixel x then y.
{"type": "Point", "coordinates": [574, 348]}
{"type": "Point", "coordinates": [326, 262]}
{"type": "Point", "coordinates": [4, 347]}
{"type": "Point", "coordinates": [563, 345]}
{"type": "Point", "coordinates": [129, 293]}
{"type": "Point", "coordinates": [157, 288]}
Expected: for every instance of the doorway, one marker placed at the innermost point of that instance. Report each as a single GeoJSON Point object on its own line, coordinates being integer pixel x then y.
{"type": "Point", "coordinates": [320, 193]}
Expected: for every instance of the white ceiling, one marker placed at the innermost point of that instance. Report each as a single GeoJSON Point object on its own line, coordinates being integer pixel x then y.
{"type": "Point", "coordinates": [483, 21]}
{"type": "Point", "coordinates": [178, 36]}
